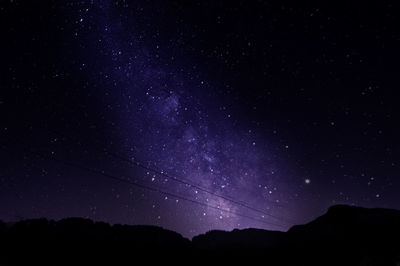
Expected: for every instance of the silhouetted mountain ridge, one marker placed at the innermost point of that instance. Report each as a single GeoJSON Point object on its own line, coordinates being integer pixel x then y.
{"type": "Point", "coordinates": [345, 222]}
{"type": "Point", "coordinates": [81, 229]}
{"type": "Point", "coordinates": [345, 235]}
{"type": "Point", "coordinates": [350, 223]}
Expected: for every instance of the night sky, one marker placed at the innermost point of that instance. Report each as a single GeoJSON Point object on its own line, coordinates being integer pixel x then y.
{"type": "Point", "coordinates": [198, 115]}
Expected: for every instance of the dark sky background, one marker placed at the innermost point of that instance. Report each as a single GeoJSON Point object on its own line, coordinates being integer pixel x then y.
{"type": "Point", "coordinates": [217, 114]}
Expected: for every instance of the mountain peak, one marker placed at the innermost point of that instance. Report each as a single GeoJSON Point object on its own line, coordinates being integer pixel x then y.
{"type": "Point", "coordinates": [343, 232]}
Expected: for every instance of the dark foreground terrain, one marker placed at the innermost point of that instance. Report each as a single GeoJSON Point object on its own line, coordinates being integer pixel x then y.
{"type": "Point", "coordinates": [343, 236]}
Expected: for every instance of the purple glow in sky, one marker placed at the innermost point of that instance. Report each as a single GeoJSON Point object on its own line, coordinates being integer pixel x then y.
{"type": "Point", "coordinates": [286, 108]}
{"type": "Point", "coordinates": [176, 123]}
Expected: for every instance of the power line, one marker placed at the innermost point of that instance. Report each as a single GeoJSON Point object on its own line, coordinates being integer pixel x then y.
{"type": "Point", "coordinates": [154, 189]}
{"type": "Point", "coordinates": [135, 162]}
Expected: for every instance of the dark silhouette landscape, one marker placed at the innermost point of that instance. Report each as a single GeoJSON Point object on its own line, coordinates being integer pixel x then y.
{"type": "Point", "coordinates": [345, 235]}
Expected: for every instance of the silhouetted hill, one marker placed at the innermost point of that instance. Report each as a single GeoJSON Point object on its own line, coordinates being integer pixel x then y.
{"type": "Point", "coordinates": [345, 235]}
{"type": "Point", "coordinates": [352, 224]}
{"type": "Point", "coordinates": [341, 222]}
{"type": "Point", "coordinates": [2, 227]}
{"type": "Point", "coordinates": [76, 241]}
{"type": "Point", "coordinates": [79, 229]}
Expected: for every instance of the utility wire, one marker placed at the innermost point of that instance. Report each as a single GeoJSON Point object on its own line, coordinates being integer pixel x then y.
{"type": "Point", "coordinates": [139, 164]}
{"type": "Point", "coordinates": [154, 189]}
{"type": "Point", "coordinates": [135, 162]}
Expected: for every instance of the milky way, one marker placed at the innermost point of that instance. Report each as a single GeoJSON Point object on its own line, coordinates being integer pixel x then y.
{"type": "Point", "coordinates": [197, 115]}
{"type": "Point", "coordinates": [175, 123]}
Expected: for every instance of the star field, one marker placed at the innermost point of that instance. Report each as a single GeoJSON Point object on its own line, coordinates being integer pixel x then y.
{"type": "Point", "coordinates": [214, 115]}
